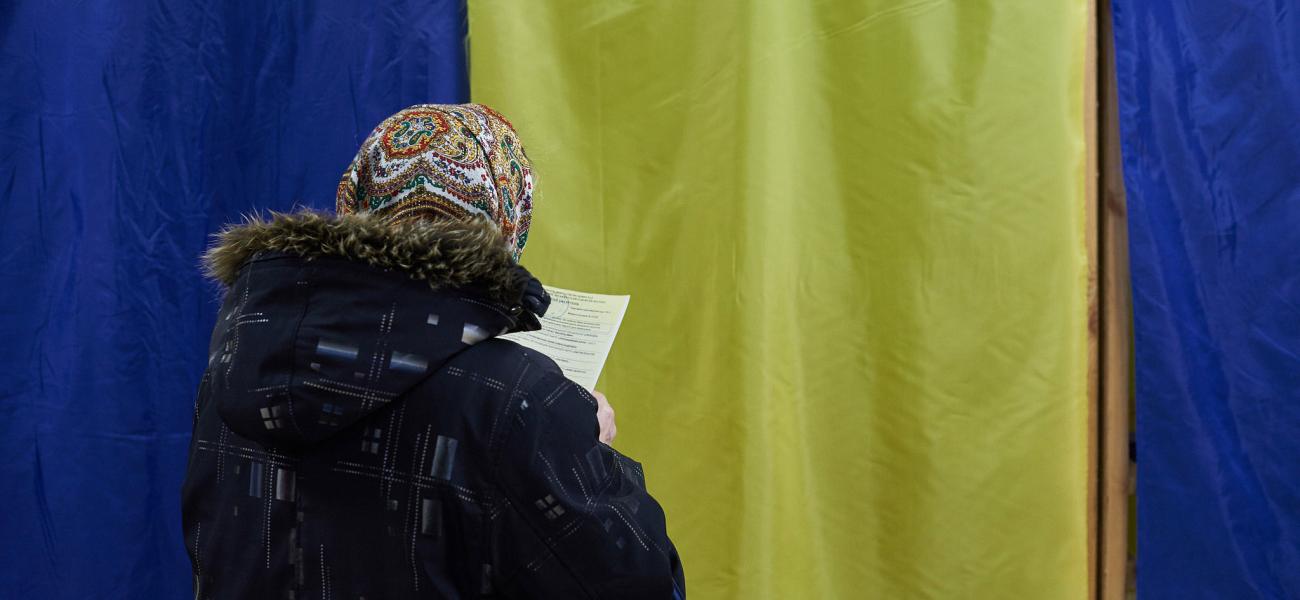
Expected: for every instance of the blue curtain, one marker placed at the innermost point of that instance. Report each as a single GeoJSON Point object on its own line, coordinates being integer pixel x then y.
{"type": "Point", "coordinates": [1210, 119]}
{"type": "Point", "coordinates": [130, 131]}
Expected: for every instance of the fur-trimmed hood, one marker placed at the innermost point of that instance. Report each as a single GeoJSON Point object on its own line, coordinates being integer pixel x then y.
{"type": "Point", "coordinates": [328, 319]}
{"type": "Point", "coordinates": [445, 254]}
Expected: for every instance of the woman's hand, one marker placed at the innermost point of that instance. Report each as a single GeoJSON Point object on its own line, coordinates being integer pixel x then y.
{"type": "Point", "coordinates": [605, 416]}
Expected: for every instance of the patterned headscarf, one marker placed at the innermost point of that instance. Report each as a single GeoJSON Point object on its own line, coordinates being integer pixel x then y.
{"type": "Point", "coordinates": [438, 161]}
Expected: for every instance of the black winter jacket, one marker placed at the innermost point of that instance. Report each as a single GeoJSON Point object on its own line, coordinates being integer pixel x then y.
{"type": "Point", "coordinates": [360, 432]}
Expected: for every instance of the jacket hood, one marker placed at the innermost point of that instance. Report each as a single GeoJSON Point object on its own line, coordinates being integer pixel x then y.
{"type": "Point", "coordinates": [450, 253]}
{"type": "Point", "coordinates": [329, 319]}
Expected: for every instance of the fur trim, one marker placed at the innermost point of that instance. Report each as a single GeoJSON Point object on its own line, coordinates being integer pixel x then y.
{"type": "Point", "coordinates": [444, 253]}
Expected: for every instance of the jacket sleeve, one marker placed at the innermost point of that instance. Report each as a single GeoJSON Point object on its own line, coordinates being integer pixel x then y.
{"type": "Point", "coordinates": [578, 520]}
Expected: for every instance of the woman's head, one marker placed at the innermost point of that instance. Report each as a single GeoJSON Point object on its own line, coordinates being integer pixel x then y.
{"type": "Point", "coordinates": [443, 161]}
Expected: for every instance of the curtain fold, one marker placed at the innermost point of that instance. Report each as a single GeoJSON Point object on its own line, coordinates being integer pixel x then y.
{"type": "Point", "coordinates": [1209, 95]}
{"type": "Point", "coordinates": [130, 131]}
{"type": "Point", "coordinates": [855, 360]}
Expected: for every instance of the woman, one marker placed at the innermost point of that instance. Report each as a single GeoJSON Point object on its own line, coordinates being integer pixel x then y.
{"type": "Point", "coordinates": [361, 432]}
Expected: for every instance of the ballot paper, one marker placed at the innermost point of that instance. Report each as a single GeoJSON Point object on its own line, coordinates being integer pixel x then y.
{"type": "Point", "coordinates": [577, 332]}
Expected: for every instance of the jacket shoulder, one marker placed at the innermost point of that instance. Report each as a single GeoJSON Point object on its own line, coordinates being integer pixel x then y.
{"type": "Point", "coordinates": [505, 359]}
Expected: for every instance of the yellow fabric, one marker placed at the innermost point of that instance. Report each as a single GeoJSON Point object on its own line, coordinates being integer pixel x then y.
{"type": "Point", "coordinates": [855, 359]}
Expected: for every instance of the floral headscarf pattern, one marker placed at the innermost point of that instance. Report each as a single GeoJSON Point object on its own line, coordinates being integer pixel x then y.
{"type": "Point", "coordinates": [438, 161]}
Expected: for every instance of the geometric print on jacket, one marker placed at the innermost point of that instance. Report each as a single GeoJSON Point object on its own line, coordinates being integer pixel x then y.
{"type": "Point", "coordinates": [361, 432]}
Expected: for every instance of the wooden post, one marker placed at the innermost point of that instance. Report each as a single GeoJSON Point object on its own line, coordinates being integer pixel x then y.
{"type": "Point", "coordinates": [1116, 332]}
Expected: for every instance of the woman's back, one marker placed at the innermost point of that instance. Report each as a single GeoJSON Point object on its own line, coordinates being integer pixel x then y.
{"type": "Point", "coordinates": [360, 432]}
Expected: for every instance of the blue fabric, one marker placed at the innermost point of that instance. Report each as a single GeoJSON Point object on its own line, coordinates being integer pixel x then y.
{"type": "Point", "coordinates": [129, 131]}
{"type": "Point", "coordinates": [1209, 112]}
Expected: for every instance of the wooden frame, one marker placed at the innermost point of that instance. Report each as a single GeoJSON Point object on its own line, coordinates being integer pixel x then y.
{"type": "Point", "coordinates": [1114, 360]}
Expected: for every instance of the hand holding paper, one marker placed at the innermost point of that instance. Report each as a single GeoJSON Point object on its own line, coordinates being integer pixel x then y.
{"type": "Point", "coordinates": [605, 418]}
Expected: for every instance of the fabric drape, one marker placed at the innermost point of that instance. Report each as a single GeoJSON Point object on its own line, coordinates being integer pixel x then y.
{"type": "Point", "coordinates": [129, 131]}
{"type": "Point", "coordinates": [1209, 95]}
{"type": "Point", "coordinates": [855, 359]}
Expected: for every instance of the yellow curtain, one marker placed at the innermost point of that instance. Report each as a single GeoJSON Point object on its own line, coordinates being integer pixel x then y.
{"type": "Point", "coordinates": [855, 359]}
